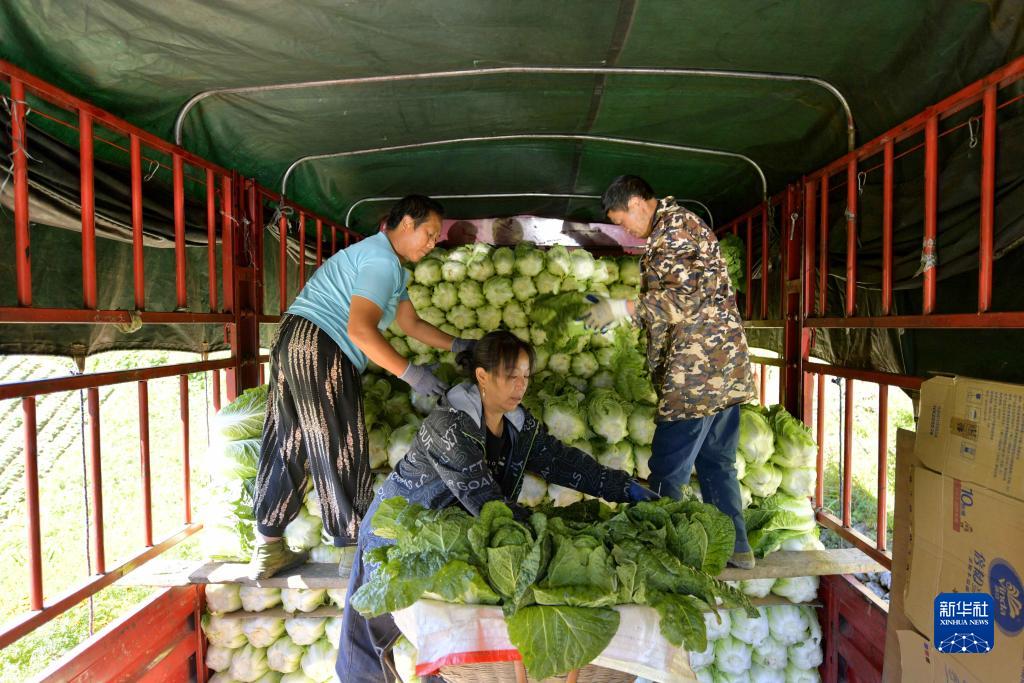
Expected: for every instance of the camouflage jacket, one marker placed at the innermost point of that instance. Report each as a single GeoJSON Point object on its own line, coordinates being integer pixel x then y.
{"type": "Point", "coordinates": [696, 347]}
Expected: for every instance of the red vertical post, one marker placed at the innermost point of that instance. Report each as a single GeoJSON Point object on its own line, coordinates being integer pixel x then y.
{"type": "Point", "coordinates": [763, 384]}
{"type": "Point", "coordinates": [179, 232]}
{"type": "Point", "coordinates": [748, 303]}
{"type": "Point", "coordinates": [263, 374]}
{"type": "Point", "coordinates": [138, 245]}
{"type": "Point", "coordinates": [99, 562]}
{"type": "Point", "coordinates": [848, 454]}
{"type": "Point", "coordinates": [147, 481]}
{"type": "Point", "coordinates": [302, 251]}
{"type": "Point", "coordinates": [988, 199]}
{"type": "Point", "coordinates": [227, 242]}
{"type": "Point", "coordinates": [211, 235]}
{"type": "Point", "coordinates": [282, 266]}
{"type": "Point", "coordinates": [19, 137]}
{"type": "Point", "coordinates": [851, 237]}
{"type": "Point", "coordinates": [736, 228]}
{"type": "Point", "coordinates": [823, 255]}
{"type": "Point", "coordinates": [319, 242]}
{"type": "Point", "coordinates": [35, 554]}
{"type": "Point", "coordinates": [216, 390]}
{"type": "Point", "coordinates": [259, 264]}
{"type": "Point", "coordinates": [931, 190]}
{"type": "Point", "coordinates": [883, 465]}
{"type": "Point", "coordinates": [245, 344]}
{"type": "Point", "coordinates": [807, 414]}
{"type": "Point", "coordinates": [819, 424]}
{"type": "Point", "coordinates": [334, 240]}
{"type": "Point", "coordinates": [795, 340]}
{"type": "Point", "coordinates": [185, 447]}
{"type": "Point", "coordinates": [764, 261]}
{"type": "Point", "coordinates": [887, 179]}
{"type": "Point", "coordinates": [810, 228]}
{"type": "Point", "coordinates": [88, 201]}
{"type": "Point", "coordinates": [347, 237]}
{"type": "Point", "coordinates": [202, 673]}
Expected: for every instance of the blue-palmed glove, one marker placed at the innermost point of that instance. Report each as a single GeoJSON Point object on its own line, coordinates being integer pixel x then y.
{"type": "Point", "coordinates": [459, 345]}
{"type": "Point", "coordinates": [423, 381]}
{"type": "Point", "coordinates": [638, 493]}
{"type": "Point", "coordinates": [603, 312]}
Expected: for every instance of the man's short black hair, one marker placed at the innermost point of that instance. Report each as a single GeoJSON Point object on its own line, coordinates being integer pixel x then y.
{"type": "Point", "coordinates": [622, 189]}
{"type": "Point", "coordinates": [416, 206]}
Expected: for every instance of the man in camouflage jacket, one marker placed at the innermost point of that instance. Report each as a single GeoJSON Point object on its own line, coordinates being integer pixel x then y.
{"type": "Point", "coordinates": [696, 347]}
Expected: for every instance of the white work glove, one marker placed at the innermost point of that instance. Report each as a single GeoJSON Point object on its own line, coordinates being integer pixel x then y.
{"type": "Point", "coordinates": [422, 380]}
{"type": "Point", "coordinates": [603, 312]}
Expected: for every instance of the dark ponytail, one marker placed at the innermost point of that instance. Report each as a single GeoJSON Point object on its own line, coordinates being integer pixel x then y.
{"type": "Point", "coordinates": [496, 350]}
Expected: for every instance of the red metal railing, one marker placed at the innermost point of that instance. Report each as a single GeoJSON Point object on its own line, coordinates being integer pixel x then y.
{"type": "Point", "coordinates": [89, 117]}
{"type": "Point", "coordinates": [265, 197]}
{"type": "Point", "coordinates": [806, 269]}
{"type": "Point", "coordinates": [235, 301]}
{"type": "Point", "coordinates": [927, 127]}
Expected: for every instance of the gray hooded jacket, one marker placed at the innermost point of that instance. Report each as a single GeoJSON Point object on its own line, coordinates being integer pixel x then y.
{"type": "Point", "coordinates": [447, 463]}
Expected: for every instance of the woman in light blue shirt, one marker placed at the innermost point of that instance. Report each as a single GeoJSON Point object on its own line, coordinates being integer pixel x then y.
{"type": "Point", "coordinates": [315, 404]}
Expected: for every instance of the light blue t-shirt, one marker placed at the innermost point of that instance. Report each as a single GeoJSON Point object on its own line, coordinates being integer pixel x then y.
{"type": "Point", "coordinates": [370, 269]}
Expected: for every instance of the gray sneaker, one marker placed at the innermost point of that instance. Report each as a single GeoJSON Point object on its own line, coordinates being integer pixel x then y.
{"type": "Point", "coordinates": [742, 560]}
{"type": "Point", "coordinates": [348, 556]}
{"type": "Point", "coordinates": [271, 558]}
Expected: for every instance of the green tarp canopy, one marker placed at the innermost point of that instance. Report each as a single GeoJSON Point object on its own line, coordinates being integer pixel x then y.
{"type": "Point", "coordinates": [144, 61]}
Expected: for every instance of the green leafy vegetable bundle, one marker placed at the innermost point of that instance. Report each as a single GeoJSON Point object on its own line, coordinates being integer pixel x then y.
{"type": "Point", "coordinates": [558, 574]}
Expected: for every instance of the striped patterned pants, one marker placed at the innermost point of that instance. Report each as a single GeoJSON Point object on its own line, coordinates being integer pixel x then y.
{"type": "Point", "coordinates": [314, 426]}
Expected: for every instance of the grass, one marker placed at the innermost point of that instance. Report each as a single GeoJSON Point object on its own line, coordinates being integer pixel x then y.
{"type": "Point", "coordinates": [864, 470]}
{"type": "Point", "coordinates": [62, 483]}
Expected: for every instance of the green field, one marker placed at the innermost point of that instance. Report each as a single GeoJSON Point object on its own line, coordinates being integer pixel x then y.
{"type": "Point", "coordinates": [63, 493]}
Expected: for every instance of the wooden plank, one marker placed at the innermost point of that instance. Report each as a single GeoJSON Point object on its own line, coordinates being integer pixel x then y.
{"type": "Point", "coordinates": [280, 613]}
{"type": "Point", "coordinates": [186, 572]}
{"type": "Point", "coordinates": [785, 564]}
{"type": "Point", "coordinates": [778, 565]}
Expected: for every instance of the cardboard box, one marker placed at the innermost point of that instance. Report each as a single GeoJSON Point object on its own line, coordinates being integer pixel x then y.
{"type": "Point", "coordinates": [973, 430]}
{"type": "Point", "coordinates": [897, 621]}
{"type": "Point", "coordinates": [922, 663]}
{"type": "Point", "coordinates": [966, 538]}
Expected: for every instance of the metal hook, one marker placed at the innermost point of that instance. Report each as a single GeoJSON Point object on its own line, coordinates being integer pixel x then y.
{"type": "Point", "coordinates": [279, 211]}
{"type": "Point", "coordinates": [792, 224]}
{"type": "Point", "coordinates": [154, 167]}
{"type": "Point", "coordinates": [231, 218]}
{"type": "Point", "coordinates": [862, 178]}
{"type": "Point", "coordinates": [973, 125]}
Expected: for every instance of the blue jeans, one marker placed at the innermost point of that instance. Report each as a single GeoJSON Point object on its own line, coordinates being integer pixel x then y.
{"type": "Point", "coordinates": [710, 444]}
{"type": "Point", "coordinates": [364, 642]}
{"type": "Point", "coordinates": [363, 652]}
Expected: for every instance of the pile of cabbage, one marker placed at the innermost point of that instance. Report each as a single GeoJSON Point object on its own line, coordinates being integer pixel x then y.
{"type": "Point", "coordinates": [778, 454]}
{"type": "Point", "coordinates": [590, 389]}
{"type": "Point", "coordinates": [781, 645]}
{"type": "Point", "coordinates": [232, 461]}
{"type": "Point", "coordinates": [270, 649]}
{"type": "Point", "coordinates": [300, 649]}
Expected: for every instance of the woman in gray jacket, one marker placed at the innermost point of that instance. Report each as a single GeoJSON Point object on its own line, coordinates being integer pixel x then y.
{"type": "Point", "coordinates": [475, 447]}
